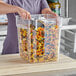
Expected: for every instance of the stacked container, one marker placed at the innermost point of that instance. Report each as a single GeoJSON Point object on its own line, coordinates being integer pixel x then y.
{"type": "Point", "coordinates": [38, 38]}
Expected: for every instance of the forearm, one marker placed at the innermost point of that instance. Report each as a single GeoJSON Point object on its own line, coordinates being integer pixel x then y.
{"type": "Point", "coordinates": [6, 8]}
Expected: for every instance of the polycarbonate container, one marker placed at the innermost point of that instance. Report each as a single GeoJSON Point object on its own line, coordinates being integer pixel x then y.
{"type": "Point", "coordinates": [38, 38]}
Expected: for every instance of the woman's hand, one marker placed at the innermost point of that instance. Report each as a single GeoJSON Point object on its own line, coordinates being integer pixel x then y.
{"type": "Point", "coordinates": [48, 11]}
{"type": "Point", "coordinates": [53, 15]}
{"type": "Point", "coordinates": [23, 13]}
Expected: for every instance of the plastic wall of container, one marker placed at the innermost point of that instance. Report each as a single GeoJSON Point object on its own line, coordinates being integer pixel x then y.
{"type": "Point", "coordinates": [38, 38]}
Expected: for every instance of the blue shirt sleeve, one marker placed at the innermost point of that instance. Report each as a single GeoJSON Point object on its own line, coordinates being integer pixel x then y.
{"type": "Point", "coordinates": [44, 4]}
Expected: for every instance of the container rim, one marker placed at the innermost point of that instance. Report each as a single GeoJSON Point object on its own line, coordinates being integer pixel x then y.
{"type": "Point", "coordinates": [40, 15]}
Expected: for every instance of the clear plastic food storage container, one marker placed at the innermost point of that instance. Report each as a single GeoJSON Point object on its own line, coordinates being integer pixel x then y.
{"type": "Point", "coordinates": [38, 38]}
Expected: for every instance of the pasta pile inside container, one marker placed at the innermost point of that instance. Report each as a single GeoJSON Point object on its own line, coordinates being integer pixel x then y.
{"type": "Point", "coordinates": [38, 38]}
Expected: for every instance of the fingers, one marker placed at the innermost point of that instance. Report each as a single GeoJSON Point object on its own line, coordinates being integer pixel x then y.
{"type": "Point", "coordinates": [23, 13]}
{"type": "Point", "coordinates": [53, 14]}
{"type": "Point", "coordinates": [48, 11]}
{"type": "Point", "coordinates": [26, 15]}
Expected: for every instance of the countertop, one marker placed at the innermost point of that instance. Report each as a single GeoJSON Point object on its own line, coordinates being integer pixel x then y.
{"type": "Point", "coordinates": [13, 65]}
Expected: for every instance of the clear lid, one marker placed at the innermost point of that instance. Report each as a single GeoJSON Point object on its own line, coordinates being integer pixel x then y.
{"type": "Point", "coordinates": [46, 18]}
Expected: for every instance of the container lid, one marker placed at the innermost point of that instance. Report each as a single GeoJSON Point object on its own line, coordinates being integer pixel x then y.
{"type": "Point", "coordinates": [47, 19]}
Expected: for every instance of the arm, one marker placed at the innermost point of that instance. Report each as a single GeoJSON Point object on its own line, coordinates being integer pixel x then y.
{"type": "Point", "coordinates": [6, 8]}
{"type": "Point", "coordinates": [46, 9]}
